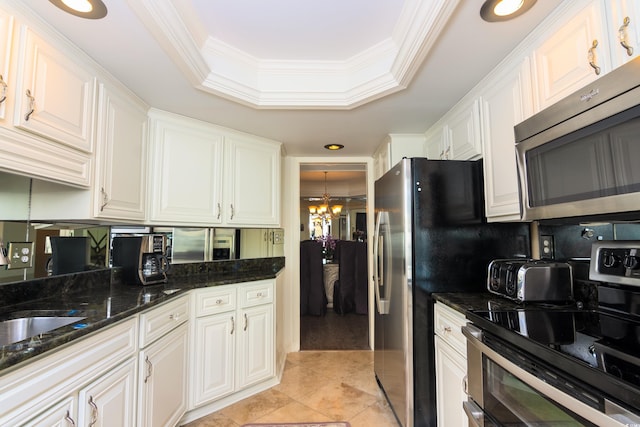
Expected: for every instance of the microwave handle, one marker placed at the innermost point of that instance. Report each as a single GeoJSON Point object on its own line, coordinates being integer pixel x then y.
{"type": "Point", "coordinates": [474, 413]}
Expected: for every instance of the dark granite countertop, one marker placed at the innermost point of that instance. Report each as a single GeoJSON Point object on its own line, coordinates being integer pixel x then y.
{"type": "Point", "coordinates": [477, 301]}
{"type": "Point", "coordinates": [103, 301]}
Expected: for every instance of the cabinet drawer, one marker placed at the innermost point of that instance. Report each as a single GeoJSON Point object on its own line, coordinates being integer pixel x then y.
{"type": "Point", "coordinates": [256, 293]}
{"type": "Point", "coordinates": [447, 324]}
{"type": "Point", "coordinates": [156, 322]}
{"type": "Point", "coordinates": [214, 300]}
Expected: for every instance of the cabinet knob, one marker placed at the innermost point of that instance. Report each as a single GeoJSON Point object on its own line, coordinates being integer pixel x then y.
{"type": "Point", "coordinates": [592, 56]}
{"type": "Point", "coordinates": [32, 105]}
{"type": "Point", "coordinates": [3, 87]}
{"type": "Point", "coordinates": [623, 36]}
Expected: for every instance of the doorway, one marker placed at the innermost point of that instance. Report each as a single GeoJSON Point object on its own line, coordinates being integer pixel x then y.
{"type": "Point", "coordinates": [333, 257]}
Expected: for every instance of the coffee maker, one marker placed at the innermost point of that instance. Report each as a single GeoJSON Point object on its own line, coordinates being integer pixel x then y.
{"type": "Point", "coordinates": [142, 258]}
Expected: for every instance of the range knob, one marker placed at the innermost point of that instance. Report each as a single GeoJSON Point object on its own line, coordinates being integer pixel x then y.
{"type": "Point", "coordinates": [630, 261]}
{"type": "Point", "coordinates": [609, 259]}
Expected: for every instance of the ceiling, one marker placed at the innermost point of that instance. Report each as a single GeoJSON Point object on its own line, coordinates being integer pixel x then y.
{"type": "Point", "coordinates": [303, 72]}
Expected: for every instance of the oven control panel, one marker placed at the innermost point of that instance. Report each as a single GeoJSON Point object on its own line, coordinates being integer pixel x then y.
{"type": "Point", "coordinates": [616, 261]}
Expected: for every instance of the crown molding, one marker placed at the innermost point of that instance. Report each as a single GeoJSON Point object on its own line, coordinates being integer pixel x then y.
{"type": "Point", "coordinates": [226, 71]}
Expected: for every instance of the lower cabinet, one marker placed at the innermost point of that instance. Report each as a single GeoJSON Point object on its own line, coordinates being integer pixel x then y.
{"type": "Point", "coordinates": [233, 340]}
{"type": "Point", "coordinates": [162, 362]}
{"type": "Point", "coordinates": [451, 367]}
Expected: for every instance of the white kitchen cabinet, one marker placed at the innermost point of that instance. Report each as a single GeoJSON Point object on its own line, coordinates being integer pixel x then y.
{"type": "Point", "coordinates": [162, 364]}
{"type": "Point", "coordinates": [234, 340]}
{"type": "Point", "coordinates": [46, 391]}
{"type": "Point", "coordinates": [162, 387]}
{"type": "Point", "coordinates": [624, 30]}
{"type": "Point", "coordinates": [396, 146]}
{"type": "Point", "coordinates": [191, 184]}
{"type": "Point", "coordinates": [121, 176]}
{"type": "Point", "coordinates": [451, 366]}
{"type": "Point", "coordinates": [6, 42]}
{"type": "Point", "coordinates": [505, 101]}
{"type": "Point", "coordinates": [251, 181]}
{"type": "Point", "coordinates": [62, 414]}
{"type": "Point", "coordinates": [55, 93]}
{"type": "Point", "coordinates": [561, 62]}
{"type": "Point", "coordinates": [457, 135]}
{"type": "Point", "coordinates": [110, 400]}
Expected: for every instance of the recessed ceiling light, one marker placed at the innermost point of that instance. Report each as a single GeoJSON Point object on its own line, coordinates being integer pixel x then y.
{"type": "Point", "coordinates": [90, 9]}
{"type": "Point", "coordinates": [503, 10]}
{"type": "Point", "coordinates": [334, 147]}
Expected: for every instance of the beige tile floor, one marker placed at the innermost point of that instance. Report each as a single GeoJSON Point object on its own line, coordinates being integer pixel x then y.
{"type": "Point", "coordinates": [316, 386]}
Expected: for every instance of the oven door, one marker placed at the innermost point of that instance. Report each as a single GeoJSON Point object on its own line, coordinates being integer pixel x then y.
{"type": "Point", "coordinates": [501, 393]}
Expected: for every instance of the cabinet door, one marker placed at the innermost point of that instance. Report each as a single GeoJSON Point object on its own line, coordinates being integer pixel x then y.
{"type": "Point", "coordinates": [6, 39]}
{"type": "Point", "coordinates": [186, 173]}
{"type": "Point", "coordinates": [624, 30]}
{"type": "Point", "coordinates": [120, 186]}
{"type": "Point", "coordinates": [62, 414]}
{"type": "Point", "coordinates": [255, 345]}
{"type": "Point", "coordinates": [561, 62]}
{"type": "Point", "coordinates": [463, 133]}
{"type": "Point", "coordinates": [505, 103]}
{"type": "Point", "coordinates": [55, 96]}
{"type": "Point", "coordinates": [451, 370]}
{"type": "Point", "coordinates": [436, 147]}
{"type": "Point", "coordinates": [162, 385]}
{"type": "Point", "coordinates": [252, 182]}
{"type": "Point", "coordinates": [214, 359]}
{"type": "Point", "coordinates": [110, 400]}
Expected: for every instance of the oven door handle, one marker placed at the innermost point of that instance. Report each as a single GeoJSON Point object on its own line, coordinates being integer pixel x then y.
{"type": "Point", "coordinates": [473, 334]}
{"type": "Point", "coordinates": [474, 413]}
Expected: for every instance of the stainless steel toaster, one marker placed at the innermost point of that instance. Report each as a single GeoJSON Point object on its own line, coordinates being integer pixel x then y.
{"type": "Point", "coordinates": [530, 280]}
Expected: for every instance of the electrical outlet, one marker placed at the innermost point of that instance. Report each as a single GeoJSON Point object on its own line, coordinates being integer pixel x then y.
{"type": "Point", "coordinates": [547, 249]}
{"type": "Point", "coordinates": [20, 254]}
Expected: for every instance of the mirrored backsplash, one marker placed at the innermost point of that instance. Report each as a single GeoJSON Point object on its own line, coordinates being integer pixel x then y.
{"type": "Point", "coordinates": [62, 248]}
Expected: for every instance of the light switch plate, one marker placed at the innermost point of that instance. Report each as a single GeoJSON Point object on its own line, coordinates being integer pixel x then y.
{"type": "Point", "coordinates": [20, 254]}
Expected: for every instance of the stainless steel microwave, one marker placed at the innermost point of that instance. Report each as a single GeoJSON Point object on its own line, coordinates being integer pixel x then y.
{"type": "Point", "coordinates": [581, 156]}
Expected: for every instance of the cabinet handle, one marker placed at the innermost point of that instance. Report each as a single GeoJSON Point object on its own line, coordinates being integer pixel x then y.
{"type": "Point", "coordinates": [219, 211]}
{"type": "Point", "coordinates": [465, 385]}
{"type": "Point", "coordinates": [232, 212]}
{"type": "Point", "coordinates": [233, 325]}
{"type": "Point", "coordinates": [32, 105]}
{"type": "Point", "coordinates": [149, 369]}
{"type": "Point", "coordinates": [623, 35]}
{"type": "Point", "coordinates": [3, 84]}
{"type": "Point", "coordinates": [105, 199]}
{"type": "Point", "coordinates": [447, 329]}
{"type": "Point", "coordinates": [246, 322]}
{"type": "Point", "coordinates": [219, 301]}
{"type": "Point", "coordinates": [593, 57]}
{"type": "Point", "coordinates": [69, 420]}
{"type": "Point", "coordinates": [94, 412]}
{"type": "Point", "coordinates": [175, 316]}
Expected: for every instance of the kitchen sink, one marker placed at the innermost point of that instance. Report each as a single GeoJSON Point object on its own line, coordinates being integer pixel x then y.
{"type": "Point", "coordinates": [15, 330]}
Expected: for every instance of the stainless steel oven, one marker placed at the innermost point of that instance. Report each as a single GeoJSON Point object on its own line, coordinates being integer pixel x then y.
{"type": "Point", "coordinates": [508, 387]}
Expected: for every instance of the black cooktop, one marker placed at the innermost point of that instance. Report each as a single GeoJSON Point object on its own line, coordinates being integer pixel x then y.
{"type": "Point", "coordinates": [597, 347]}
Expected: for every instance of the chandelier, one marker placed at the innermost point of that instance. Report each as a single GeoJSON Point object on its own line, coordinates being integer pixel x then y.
{"type": "Point", "coordinates": [325, 210]}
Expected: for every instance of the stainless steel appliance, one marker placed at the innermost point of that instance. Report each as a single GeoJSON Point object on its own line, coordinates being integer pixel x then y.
{"type": "Point", "coordinates": [530, 280]}
{"type": "Point", "coordinates": [561, 364]}
{"type": "Point", "coordinates": [579, 156]}
{"type": "Point", "coordinates": [430, 236]}
{"type": "Point", "coordinates": [142, 259]}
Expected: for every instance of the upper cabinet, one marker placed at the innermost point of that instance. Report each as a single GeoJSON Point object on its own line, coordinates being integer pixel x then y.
{"type": "Point", "coordinates": [205, 174]}
{"type": "Point", "coordinates": [394, 148]}
{"type": "Point", "coordinates": [505, 101]}
{"type": "Point", "coordinates": [120, 183]}
{"type": "Point", "coordinates": [624, 29]}
{"type": "Point", "coordinates": [457, 135]}
{"type": "Point", "coordinates": [55, 95]}
{"type": "Point", "coordinates": [574, 53]}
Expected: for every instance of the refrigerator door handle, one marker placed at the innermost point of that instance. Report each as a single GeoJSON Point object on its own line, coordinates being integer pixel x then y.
{"type": "Point", "coordinates": [382, 302]}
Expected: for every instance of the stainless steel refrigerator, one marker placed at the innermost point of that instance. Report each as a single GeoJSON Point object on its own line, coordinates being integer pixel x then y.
{"type": "Point", "coordinates": [430, 236]}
